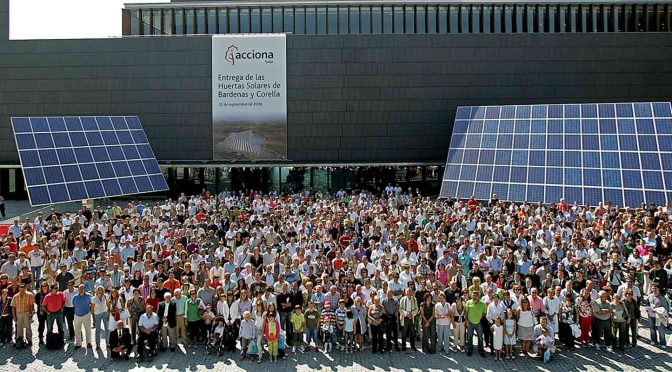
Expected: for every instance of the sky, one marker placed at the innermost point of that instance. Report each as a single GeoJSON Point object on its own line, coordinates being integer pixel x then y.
{"type": "Point", "coordinates": [67, 19]}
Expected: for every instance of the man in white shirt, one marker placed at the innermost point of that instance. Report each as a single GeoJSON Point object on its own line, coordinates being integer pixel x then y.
{"type": "Point", "coordinates": [148, 325]}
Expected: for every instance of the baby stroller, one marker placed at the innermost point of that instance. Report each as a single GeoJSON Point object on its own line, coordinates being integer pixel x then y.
{"type": "Point", "coordinates": [217, 336]}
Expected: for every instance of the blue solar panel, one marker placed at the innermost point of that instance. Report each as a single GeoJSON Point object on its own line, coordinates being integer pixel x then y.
{"type": "Point", "coordinates": [583, 152]}
{"type": "Point", "coordinates": [84, 157]}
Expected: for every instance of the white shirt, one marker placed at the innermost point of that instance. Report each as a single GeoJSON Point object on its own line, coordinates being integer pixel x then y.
{"type": "Point", "coordinates": [148, 322]}
{"type": "Point", "coordinates": [165, 311]}
{"type": "Point", "coordinates": [99, 304]}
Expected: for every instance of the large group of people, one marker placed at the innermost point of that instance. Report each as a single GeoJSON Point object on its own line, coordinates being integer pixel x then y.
{"type": "Point", "coordinates": [263, 274]}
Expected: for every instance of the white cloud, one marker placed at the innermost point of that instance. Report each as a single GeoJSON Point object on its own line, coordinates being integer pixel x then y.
{"type": "Point", "coordinates": [67, 19]}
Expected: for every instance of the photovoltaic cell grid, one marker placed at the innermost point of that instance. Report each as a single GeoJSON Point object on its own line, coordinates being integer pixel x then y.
{"type": "Point", "coordinates": [73, 158]}
{"type": "Point", "coordinates": [583, 152]}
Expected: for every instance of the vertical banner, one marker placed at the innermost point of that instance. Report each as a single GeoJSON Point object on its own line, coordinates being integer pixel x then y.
{"type": "Point", "coordinates": [249, 97]}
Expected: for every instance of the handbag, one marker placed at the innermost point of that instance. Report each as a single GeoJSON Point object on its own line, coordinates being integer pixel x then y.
{"type": "Point", "coordinates": [124, 314]}
{"type": "Point", "coordinates": [576, 330]}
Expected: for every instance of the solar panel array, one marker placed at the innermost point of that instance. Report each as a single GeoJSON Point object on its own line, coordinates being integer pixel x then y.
{"type": "Point", "coordinates": [74, 158]}
{"type": "Point", "coordinates": [583, 152]}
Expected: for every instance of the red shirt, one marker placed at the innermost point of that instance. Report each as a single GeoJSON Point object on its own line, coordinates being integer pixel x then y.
{"type": "Point", "coordinates": [54, 302]}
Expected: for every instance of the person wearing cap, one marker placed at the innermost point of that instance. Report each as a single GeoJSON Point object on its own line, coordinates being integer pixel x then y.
{"type": "Point", "coordinates": [23, 308]}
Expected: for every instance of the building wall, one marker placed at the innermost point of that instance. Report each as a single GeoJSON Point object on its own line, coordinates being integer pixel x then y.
{"type": "Point", "coordinates": [351, 98]}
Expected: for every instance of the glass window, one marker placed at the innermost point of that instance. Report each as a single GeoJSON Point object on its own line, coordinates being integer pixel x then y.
{"type": "Point", "coordinates": [321, 22]}
{"type": "Point", "coordinates": [431, 19]}
{"type": "Point", "coordinates": [212, 21]}
{"type": "Point", "coordinates": [146, 22]}
{"type": "Point", "coordinates": [464, 19]}
{"type": "Point", "coordinates": [454, 19]}
{"type": "Point", "coordinates": [332, 20]}
{"type": "Point", "coordinates": [529, 10]}
{"type": "Point", "coordinates": [223, 18]}
{"type": "Point", "coordinates": [475, 19]}
{"type": "Point", "coordinates": [487, 18]}
{"type": "Point", "coordinates": [594, 18]}
{"type": "Point", "coordinates": [365, 18]}
{"type": "Point", "coordinates": [156, 22]}
{"type": "Point", "coordinates": [267, 20]}
{"type": "Point", "coordinates": [289, 18]}
{"type": "Point", "coordinates": [135, 22]}
{"type": "Point", "coordinates": [519, 10]}
{"type": "Point", "coordinates": [663, 17]}
{"type": "Point", "coordinates": [234, 24]}
{"type": "Point", "coordinates": [616, 18]}
{"type": "Point", "coordinates": [508, 19]}
{"type": "Point", "coordinates": [311, 28]}
{"type": "Point", "coordinates": [255, 20]}
{"type": "Point", "coordinates": [244, 14]}
{"type": "Point", "coordinates": [179, 21]}
{"type": "Point", "coordinates": [443, 20]}
{"type": "Point", "coordinates": [343, 27]}
{"type": "Point", "coordinates": [541, 17]}
{"type": "Point", "coordinates": [387, 19]}
{"type": "Point", "coordinates": [399, 19]}
{"type": "Point", "coordinates": [641, 22]}
{"type": "Point", "coordinates": [552, 13]}
{"type": "Point", "coordinates": [300, 20]}
{"type": "Point", "coordinates": [168, 22]}
{"type": "Point", "coordinates": [651, 22]}
{"type": "Point", "coordinates": [410, 19]}
{"type": "Point", "coordinates": [420, 14]}
{"type": "Point", "coordinates": [354, 19]}
{"type": "Point", "coordinates": [277, 19]}
{"type": "Point", "coordinates": [573, 18]}
{"type": "Point", "coordinates": [562, 18]}
{"type": "Point", "coordinates": [607, 19]}
{"type": "Point", "coordinates": [189, 21]}
{"type": "Point", "coordinates": [583, 18]}
{"type": "Point", "coordinates": [200, 21]}
{"type": "Point", "coordinates": [497, 19]}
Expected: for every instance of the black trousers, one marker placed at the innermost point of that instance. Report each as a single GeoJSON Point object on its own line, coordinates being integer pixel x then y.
{"type": "Point", "coordinates": [194, 330]}
{"type": "Point", "coordinates": [408, 332]}
{"type": "Point", "coordinates": [487, 332]}
{"type": "Point", "coordinates": [6, 329]}
{"type": "Point", "coordinates": [377, 337]}
{"type": "Point", "coordinates": [392, 333]}
{"type": "Point", "coordinates": [69, 315]}
{"type": "Point", "coordinates": [41, 325]}
{"type": "Point", "coordinates": [565, 335]}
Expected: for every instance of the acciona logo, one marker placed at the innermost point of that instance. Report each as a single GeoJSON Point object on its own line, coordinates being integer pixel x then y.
{"type": "Point", "coordinates": [233, 55]}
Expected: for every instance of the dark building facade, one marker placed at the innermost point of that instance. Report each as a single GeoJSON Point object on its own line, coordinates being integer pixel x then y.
{"type": "Point", "coordinates": [353, 99]}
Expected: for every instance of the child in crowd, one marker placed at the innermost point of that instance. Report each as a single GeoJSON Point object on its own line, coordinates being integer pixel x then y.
{"type": "Point", "coordinates": [219, 331]}
{"type": "Point", "coordinates": [328, 327]}
{"type": "Point", "coordinates": [349, 326]}
{"type": "Point", "coordinates": [340, 324]}
{"type": "Point", "coordinates": [497, 337]}
{"type": "Point", "coordinates": [510, 334]}
{"type": "Point", "coordinates": [246, 333]}
{"type": "Point", "coordinates": [298, 327]}
{"type": "Point", "coordinates": [312, 317]}
{"type": "Point", "coordinates": [272, 333]}
{"type": "Point", "coordinates": [208, 317]}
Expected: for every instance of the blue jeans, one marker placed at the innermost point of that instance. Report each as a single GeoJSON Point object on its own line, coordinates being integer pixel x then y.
{"type": "Point", "coordinates": [470, 336]}
{"type": "Point", "coordinates": [311, 334]}
{"type": "Point", "coordinates": [58, 318]}
{"type": "Point", "coordinates": [37, 273]}
{"type": "Point", "coordinates": [97, 319]}
{"type": "Point", "coordinates": [657, 332]}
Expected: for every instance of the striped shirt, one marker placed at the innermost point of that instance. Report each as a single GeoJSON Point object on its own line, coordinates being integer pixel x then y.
{"type": "Point", "coordinates": [23, 302]}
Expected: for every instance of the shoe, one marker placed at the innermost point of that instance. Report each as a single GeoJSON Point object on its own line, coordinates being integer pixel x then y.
{"type": "Point", "coordinates": [663, 346]}
{"type": "Point", "coordinates": [172, 349]}
{"type": "Point", "coordinates": [653, 343]}
{"type": "Point", "coordinates": [77, 347]}
{"type": "Point", "coordinates": [597, 347]}
{"type": "Point", "coordinates": [610, 349]}
{"type": "Point", "coordinates": [470, 353]}
{"type": "Point", "coordinates": [482, 355]}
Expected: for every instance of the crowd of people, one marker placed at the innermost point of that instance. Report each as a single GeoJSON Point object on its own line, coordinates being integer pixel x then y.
{"type": "Point", "coordinates": [263, 274]}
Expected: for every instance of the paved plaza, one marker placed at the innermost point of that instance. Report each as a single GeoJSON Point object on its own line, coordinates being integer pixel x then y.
{"type": "Point", "coordinates": [643, 358]}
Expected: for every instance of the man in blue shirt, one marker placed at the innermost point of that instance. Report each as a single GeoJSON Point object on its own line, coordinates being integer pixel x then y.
{"type": "Point", "coordinates": [83, 309]}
